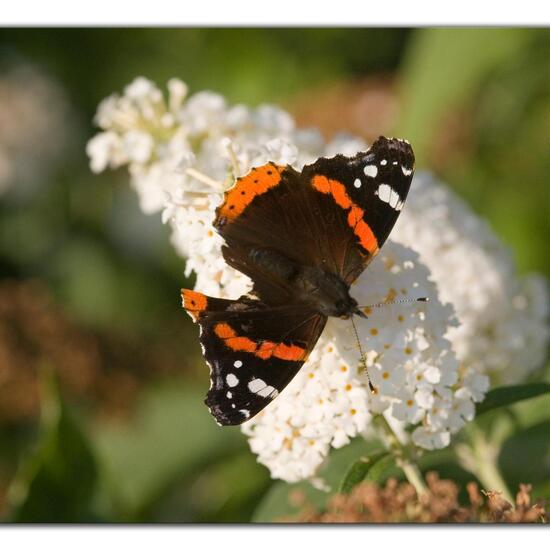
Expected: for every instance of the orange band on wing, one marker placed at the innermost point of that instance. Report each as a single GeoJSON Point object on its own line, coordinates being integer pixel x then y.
{"type": "Point", "coordinates": [257, 182]}
{"type": "Point", "coordinates": [236, 343]}
{"type": "Point", "coordinates": [356, 214]}
{"type": "Point", "coordinates": [224, 331]}
{"type": "Point", "coordinates": [193, 302]}
{"type": "Point", "coordinates": [289, 353]}
{"type": "Point", "coordinates": [265, 350]}
{"type": "Point", "coordinates": [241, 343]}
{"type": "Point", "coordinates": [335, 188]}
{"type": "Point", "coordinates": [366, 236]}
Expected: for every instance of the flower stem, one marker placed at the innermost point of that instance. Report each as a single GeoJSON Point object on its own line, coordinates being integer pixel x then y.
{"type": "Point", "coordinates": [479, 457]}
{"type": "Point", "coordinates": [413, 475]}
{"type": "Point", "coordinates": [403, 457]}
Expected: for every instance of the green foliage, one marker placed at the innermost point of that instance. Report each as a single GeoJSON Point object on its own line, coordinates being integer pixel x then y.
{"type": "Point", "coordinates": [382, 469]}
{"type": "Point", "coordinates": [508, 395]}
{"type": "Point", "coordinates": [444, 67]}
{"type": "Point", "coordinates": [170, 440]}
{"type": "Point", "coordinates": [359, 470]}
{"type": "Point", "coordinates": [57, 480]}
{"type": "Point", "coordinates": [226, 490]}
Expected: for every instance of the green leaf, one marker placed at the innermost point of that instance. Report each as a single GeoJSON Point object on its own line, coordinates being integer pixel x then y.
{"type": "Point", "coordinates": [508, 395]}
{"type": "Point", "coordinates": [382, 469]}
{"type": "Point", "coordinates": [530, 446]}
{"type": "Point", "coordinates": [171, 437]}
{"type": "Point", "coordinates": [57, 482]}
{"type": "Point", "coordinates": [225, 491]}
{"type": "Point", "coordinates": [359, 470]}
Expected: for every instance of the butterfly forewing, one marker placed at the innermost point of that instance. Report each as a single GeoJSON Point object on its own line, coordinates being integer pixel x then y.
{"type": "Point", "coordinates": [365, 194]}
{"type": "Point", "coordinates": [335, 214]}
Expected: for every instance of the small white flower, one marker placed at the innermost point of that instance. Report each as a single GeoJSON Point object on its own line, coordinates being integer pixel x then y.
{"type": "Point", "coordinates": [405, 408]}
{"type": "Point", "coordinates": [140, 89]}
{"type": "Point", "coordinates": [105, 151]}
{"type": "Point", "coordinates": [201, 114]}
{"type": "Point", "coordinates": [430, 440]}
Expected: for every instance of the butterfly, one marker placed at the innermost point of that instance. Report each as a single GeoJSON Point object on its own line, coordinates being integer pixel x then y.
{"type": "Point", "coordinates": [302, 238]}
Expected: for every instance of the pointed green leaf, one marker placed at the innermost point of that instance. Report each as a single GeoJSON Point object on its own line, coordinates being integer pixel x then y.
{"type": "Point", "coordinates": [508, 395]}
{"type": "Point", "coordinates": [382, 469]}
{"type": "Point", "coordinates": [359, 470]}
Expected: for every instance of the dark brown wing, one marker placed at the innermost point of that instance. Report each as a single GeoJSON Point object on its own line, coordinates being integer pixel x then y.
{"type": "Point", "coordinates": [369, 190]}
{"type": "Point", "coordinates": [336, 215]}
{"type": "Point", "coordinates": [270, 226]}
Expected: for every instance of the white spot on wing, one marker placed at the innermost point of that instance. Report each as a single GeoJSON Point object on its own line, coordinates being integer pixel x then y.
{"type": "Point", "coordinates": [370, 170]}
{"type": "Point", "coordinates": [259, 387]}
{"type": "Point", "coordinates": [406, 171]}
{"type": "Point", "coordinates": [388, 194]}
{"type": "Point", "coordinates": [383, 162]}
{"type": "Point", "coordinates": [273, 393]}
{"type": "Point", "coordinates": [245, 413]}
{"type": "Point", "coordinates": [384, 192]}
{"type": "Point", "coordinates": [231, 380]}
{"type": "Point", "coordinates": [357, 183]}
{"type": "Point", "coordinates": [256, 385]}
{"type": "Point", "coordinates": [229, 395]}
{"type": "Point", "coordinates": [394, 199]}
{"type": "Point", "coordinates": [238, 364]}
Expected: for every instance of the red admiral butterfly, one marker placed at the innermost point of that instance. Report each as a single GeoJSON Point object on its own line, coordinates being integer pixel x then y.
{"type": "Point", "coordinates": [303, 238]}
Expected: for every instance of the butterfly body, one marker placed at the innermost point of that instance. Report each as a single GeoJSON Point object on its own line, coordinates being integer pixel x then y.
{"type": "Point", "coordinates": [302, 238]}
{"type": "Point", "coordinates": [310, 286]}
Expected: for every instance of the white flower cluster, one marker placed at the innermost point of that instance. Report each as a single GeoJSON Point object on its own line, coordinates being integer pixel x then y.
{"type": "Point", "coordinates": [503, 329]}
{"type": "Point", "coordinates": [33, 126]}
{"type": "Point", "coordinates": [177, 153]}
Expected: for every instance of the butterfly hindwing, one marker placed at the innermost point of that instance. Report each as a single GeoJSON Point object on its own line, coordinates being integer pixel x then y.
{"type": "Point", "coordinates": [253, 351]}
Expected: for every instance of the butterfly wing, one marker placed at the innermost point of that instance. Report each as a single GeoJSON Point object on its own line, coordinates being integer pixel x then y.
{"type": "Point", "coordinates": [365, 194]}
{"type": "Point", "coordinates": [336, 215]}
{"type": "Point", "coordinates": [253, 350]}
{"type": "Point", "coordinates": [269, 226]}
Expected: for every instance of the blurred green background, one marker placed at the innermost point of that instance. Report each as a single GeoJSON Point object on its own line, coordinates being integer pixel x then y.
{"type": "Point", "coordinates": [101, 379]}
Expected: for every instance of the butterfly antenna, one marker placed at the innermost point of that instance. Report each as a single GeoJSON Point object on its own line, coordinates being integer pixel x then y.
{"type": "Point", "coordinates": [402, 301]}
{"type": "Point", "coordinates": [363, 358]}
